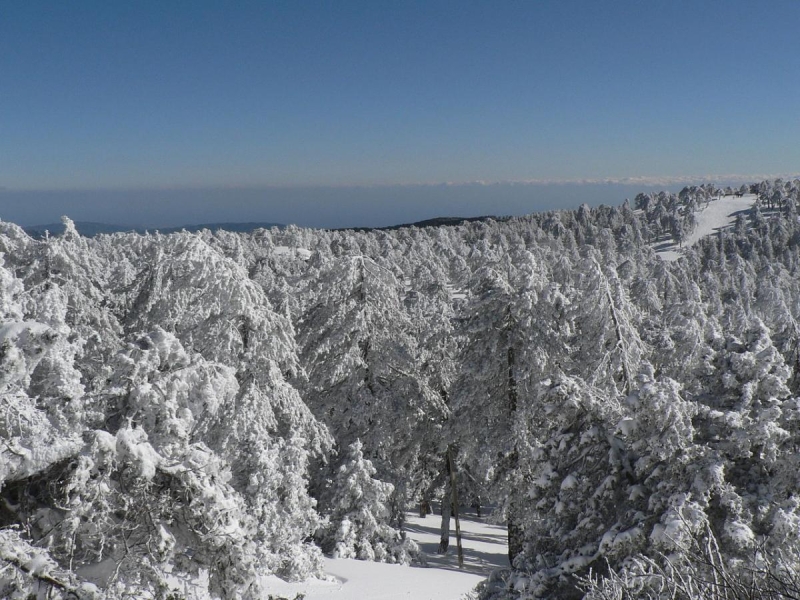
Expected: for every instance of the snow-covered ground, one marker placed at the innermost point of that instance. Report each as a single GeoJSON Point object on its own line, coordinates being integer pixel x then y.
{"type": "Point", "coordinates": [455, 293]}
{"type": "Point", "coordinates": [484, 550]}
{"type": "Point", "coordinates": [301, 253]}
{"type": "Point", "coordinates": [719, 213]}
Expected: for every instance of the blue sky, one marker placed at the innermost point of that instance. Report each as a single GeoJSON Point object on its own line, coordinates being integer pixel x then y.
{"type": "Point", "coordinates": [206, 96]}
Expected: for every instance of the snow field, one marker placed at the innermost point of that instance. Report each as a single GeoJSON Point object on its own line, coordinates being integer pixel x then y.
{"type": "Point", "coordinates": [719, 214]}
{"type": "Point", "coordinates": [484, 550]}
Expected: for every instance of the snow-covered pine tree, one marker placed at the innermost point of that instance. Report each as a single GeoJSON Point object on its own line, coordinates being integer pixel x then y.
{"type": "Point", "coordinates": [513, 337]}
{"type": "Point", "coordinates": [359, 516]}
{"type": "Point", "coordinates": [365, 381]}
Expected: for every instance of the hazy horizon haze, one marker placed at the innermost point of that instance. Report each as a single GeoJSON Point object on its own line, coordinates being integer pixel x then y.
{"type": "Point", "coordinates": [182, 101]}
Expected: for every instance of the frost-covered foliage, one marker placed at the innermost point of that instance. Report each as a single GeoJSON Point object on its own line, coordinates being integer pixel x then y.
{"type": "Point", "coordinates": [706, 575]}
{"type": "Point", "coordinates": [366, 375]}
{"type": "Point", "coordinates": [171, 405]}
{"type": "Point", "coordinates": [31, 571]}
{"type": "Point", "coordinates": [142, 461]}
{"type": "Point", "coordinates": [358, 525]}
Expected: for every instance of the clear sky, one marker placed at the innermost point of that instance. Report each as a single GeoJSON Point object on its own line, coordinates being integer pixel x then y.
{"type": "Point", "coordinates": [121, 96]}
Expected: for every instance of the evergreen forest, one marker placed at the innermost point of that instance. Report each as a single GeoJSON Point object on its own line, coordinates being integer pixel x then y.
{"type": "Point", "coordinates": [183, 413]}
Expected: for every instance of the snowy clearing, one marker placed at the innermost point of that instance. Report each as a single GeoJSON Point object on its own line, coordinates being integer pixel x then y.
{"type": "Point", "coordinates": [719, 213]}
{"type": "Point", "coordinates": [455, 293]}
{"type": "Point", "coordinates": [301, 253]}
{"type": "Point", "coordinates": [484, 550]}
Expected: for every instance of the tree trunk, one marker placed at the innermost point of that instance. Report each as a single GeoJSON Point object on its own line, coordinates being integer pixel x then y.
{"type": "Point", "coordinates": [626, 370]}
{"type": "Point", "coordinates": [398, 507]}
{"type": "Point", "coordinates": [447, 506]}
{"type": "Point", "coordinates": [444, 541]}
{"type": "Point", "coordinates": [454, 487]}
{"type": "Point", "coordinates": [512, 382]}
{"type": "Point", "coordinates": [515, 533]}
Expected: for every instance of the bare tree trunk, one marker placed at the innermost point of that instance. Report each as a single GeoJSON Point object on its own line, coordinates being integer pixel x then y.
{"type": "Point", "coordinates": [424, 508]}
{"type": "Point", "coordinates": [454, 487]}
{"type": "Point", "coordinates": [515, 533]}
{"type": "Point", "coordinates": [512, 382]}
{"type": "Point", "coordinates": [627, 373]}
{"type": "Point", "coordinates": [444, 541]}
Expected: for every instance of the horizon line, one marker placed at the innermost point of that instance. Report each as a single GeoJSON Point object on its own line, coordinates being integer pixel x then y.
{"type": "Point", "coordinates": [643, 180]}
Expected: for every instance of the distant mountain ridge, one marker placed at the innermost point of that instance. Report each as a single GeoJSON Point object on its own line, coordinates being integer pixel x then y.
{"type": "Point", "coordinates": [85, 228]}
{"type": "Point", "coordinates": [91, 228]}
{"type": "Point", "coordinates": [435, 222]}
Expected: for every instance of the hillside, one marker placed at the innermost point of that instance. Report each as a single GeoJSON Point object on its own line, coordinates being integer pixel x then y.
{"type": "Point", "coordinates": [718, 214]}
{"type": "Point", "coordinates": [224, 414]}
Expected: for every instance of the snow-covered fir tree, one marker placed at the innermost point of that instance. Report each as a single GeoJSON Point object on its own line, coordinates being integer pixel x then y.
{"type": "Point", "coordinates": [359, 514]}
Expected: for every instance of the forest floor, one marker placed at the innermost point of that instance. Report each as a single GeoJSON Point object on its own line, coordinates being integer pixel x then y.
{"type": "Point", "coordinates": [719, 213]}
{"type": "Point", "coordinates": [484, 546]}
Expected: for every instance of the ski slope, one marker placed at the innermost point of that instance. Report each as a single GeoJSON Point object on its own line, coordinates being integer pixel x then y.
{"type": "Point", "coordinates": [484, 550]}
{"type": "Point", "coordinates": [719, 214]}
